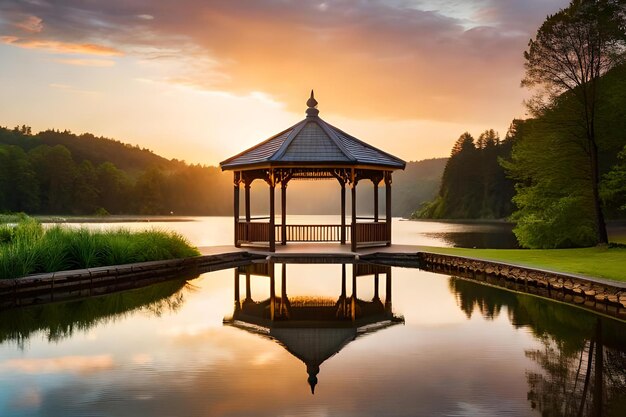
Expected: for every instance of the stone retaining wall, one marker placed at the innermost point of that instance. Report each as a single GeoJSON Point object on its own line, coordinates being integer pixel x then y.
{"type": "Point", "coordinates": [69, 285]}
{"type": "Point", "coordinates": [598, 295]}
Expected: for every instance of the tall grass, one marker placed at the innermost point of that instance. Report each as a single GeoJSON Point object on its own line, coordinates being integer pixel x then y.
{"type": "Point", "coordinates": [27, 248]}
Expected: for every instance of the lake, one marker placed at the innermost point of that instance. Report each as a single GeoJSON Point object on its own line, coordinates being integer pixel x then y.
{"type": "Point", "coordinates": [217, 231]}
{"type": "Point", "coordinates": [255, 341]}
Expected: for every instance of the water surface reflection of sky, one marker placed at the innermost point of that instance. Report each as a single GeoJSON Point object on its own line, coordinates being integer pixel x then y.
{"type": "Point", "coordinates": [175, 357]}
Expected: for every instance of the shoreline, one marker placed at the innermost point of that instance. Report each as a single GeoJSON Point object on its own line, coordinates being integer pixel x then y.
{"type": "Point", "coordinates": [112, 219]}
{"type": "Point", "coordinates": [595, 294]}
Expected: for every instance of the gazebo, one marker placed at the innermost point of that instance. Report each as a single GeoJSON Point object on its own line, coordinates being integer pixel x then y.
{"type": "Point", "coordinates": [311, 150]}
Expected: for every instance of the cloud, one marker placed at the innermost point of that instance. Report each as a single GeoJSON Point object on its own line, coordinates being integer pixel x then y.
{"type": "Point", "coordinates": [61, 47]}
{"type": "Point", "coordinates": [87, 62]}
{"type": "Point", "coordinates": [30, 24]}
{"type": "Point", "coordinates": [450, 60]}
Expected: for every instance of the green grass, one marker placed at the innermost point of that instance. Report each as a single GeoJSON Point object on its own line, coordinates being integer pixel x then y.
{"type": "Point", "coordinates": [27, 248]}
{"type": "Point", "coordinates": [601, 262]}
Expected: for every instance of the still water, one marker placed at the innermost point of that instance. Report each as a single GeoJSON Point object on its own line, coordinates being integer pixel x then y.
{"type": "Point", "coordinates": [222, 345]}
{"type": "Point", "coordinates": [256, 341]}
{"type": "Point", "coordinates": [212, 231]}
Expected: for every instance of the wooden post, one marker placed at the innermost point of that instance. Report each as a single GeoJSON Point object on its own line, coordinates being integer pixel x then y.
{"type": "Point", "coordinates": [236, 209]}
{"type": "Point", "coordinates": [272, 236]}
{"type": "Point", "coordinates": [375, 200]}
{"type": "Point", "coordinates": [343, 213]}
{"type": "Point", "coordinates": [353, 241]}
{"type": "Point", "coordinates": [283, 213]}
{"type": "Point", "coordinates": [246, 187]}
{"type": "Point", "coordinates": [343, 280]}
{"type": "Point", "coordinates": [388, 205]}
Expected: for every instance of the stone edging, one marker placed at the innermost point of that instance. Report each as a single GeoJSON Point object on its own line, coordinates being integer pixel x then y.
{"type": "Point", "coordinates": [599, 295]}
{"type": "Point", "coordinates": [81, 283]}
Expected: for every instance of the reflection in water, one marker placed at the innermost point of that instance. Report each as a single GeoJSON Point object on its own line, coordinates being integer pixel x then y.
{"type": "Point", "coordinates": [485, 235]}
{"type": "Point", "coordinates": [582, 358]}
{"type": "Point", "coordinates": [60, 320]}
{"type": "Point", "coordinates": [313, 329]}
{"type": "Point", "coordinates": [153, 352]}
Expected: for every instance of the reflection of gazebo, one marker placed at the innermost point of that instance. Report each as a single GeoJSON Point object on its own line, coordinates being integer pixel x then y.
{"type": "Point", "coordinates": [313, 329]}
{"type": "Point", "coordinates": [311, 150]}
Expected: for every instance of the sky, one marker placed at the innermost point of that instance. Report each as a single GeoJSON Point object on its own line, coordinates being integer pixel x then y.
{"type": "Point", "coordinates": [202, 80]}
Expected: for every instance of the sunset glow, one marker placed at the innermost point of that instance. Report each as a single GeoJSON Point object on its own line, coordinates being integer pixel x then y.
{"type": "Point", "coordinates": [201, 81]}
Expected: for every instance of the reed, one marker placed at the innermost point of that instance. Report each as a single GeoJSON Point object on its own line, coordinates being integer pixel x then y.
{"type": "Point", "coordinates": [28, 248]}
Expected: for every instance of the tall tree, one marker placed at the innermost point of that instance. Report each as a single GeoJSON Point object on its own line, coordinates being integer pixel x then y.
{"type": "Point", "coordinates": [572, 50]}
{"type": "Point", "coordinates": [614, 185]}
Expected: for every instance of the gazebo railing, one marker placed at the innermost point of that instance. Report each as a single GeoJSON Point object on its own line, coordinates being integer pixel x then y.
{"type": "Point", "coordinates": [258, 232]}
{"type": "Point", "coordinates": [372, 233]}
{"type": "Point", "coordinates": [312, 232]}
{"type": "Point", "coordinates": [252, 232]}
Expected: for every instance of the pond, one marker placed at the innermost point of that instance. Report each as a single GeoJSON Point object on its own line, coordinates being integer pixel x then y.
{"type": "Point", "coordinates": [258, 340]}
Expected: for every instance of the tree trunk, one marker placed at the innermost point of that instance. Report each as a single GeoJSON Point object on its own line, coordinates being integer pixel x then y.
{"type": "Point", "coordinates": [603, 237]}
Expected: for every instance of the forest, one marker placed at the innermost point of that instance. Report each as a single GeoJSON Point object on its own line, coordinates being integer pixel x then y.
{"type": "Point", "coordinates": [560, 174]}
{"type": "Point", "coordinates": [61, 173]}
{"type": "Point", "coordinates": [56, 172]}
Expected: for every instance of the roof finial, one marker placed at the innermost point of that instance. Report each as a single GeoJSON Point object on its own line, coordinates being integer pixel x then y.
{"type": "Point", "coordinates": [312, 111]}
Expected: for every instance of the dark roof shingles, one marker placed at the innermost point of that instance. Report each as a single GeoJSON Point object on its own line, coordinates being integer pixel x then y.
{"type": "Point", "coordinates": [313, 144]}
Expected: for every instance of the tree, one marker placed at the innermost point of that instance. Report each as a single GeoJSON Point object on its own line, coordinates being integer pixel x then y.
{"type": "Point", "coordinates": [114, 188]}
{"type": "Point", "coordinates": [85, 188]}
{"type": "Point", "coordinates": [56, 173]}
{"type": "Point", "coordinates": [488, 139]}
{"type": "Point", "coordinates": [473, 185]}
{"type": "Point", "coordinates": [614, 184]}
{"type": "Point", "coordinates": [19, 190]}
{"type": "Point", "coordinates": [465, 142]}
{"type": "Point", "coordinates": [572, 50]}
{"type": "Point", "coordinates": [149, 192]}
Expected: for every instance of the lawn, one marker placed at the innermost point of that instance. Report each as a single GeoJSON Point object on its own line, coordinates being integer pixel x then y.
{"type": "Point", "coordinates": [601, 262]}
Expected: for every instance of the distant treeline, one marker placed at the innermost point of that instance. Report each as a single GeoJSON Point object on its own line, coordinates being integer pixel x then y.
{"type": "Point", "coordinates": [54, 172]}
{"type": "Point", "coordinates": [58, 172]}
{"type": "Point", "coordinates": [474, 185]}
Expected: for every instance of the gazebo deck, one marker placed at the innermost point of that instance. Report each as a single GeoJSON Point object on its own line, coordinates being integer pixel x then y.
{"type": "Point", "coordinates": [329, 250]}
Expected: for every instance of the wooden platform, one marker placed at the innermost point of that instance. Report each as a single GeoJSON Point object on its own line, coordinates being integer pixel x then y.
{"type": "Point", "coordinates": [327, 249]}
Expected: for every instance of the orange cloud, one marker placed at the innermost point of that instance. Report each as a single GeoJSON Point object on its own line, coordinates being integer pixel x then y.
{"type": "Point", "coordinates": [87, 62]}
{"type": "Point", "coordinates": [376, 61]}
{"type": "Point", "coordinates": [61, 47]}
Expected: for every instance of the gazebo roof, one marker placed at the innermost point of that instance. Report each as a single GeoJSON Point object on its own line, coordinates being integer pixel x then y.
{"type": "Point", "coordinates": [310, 143]}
